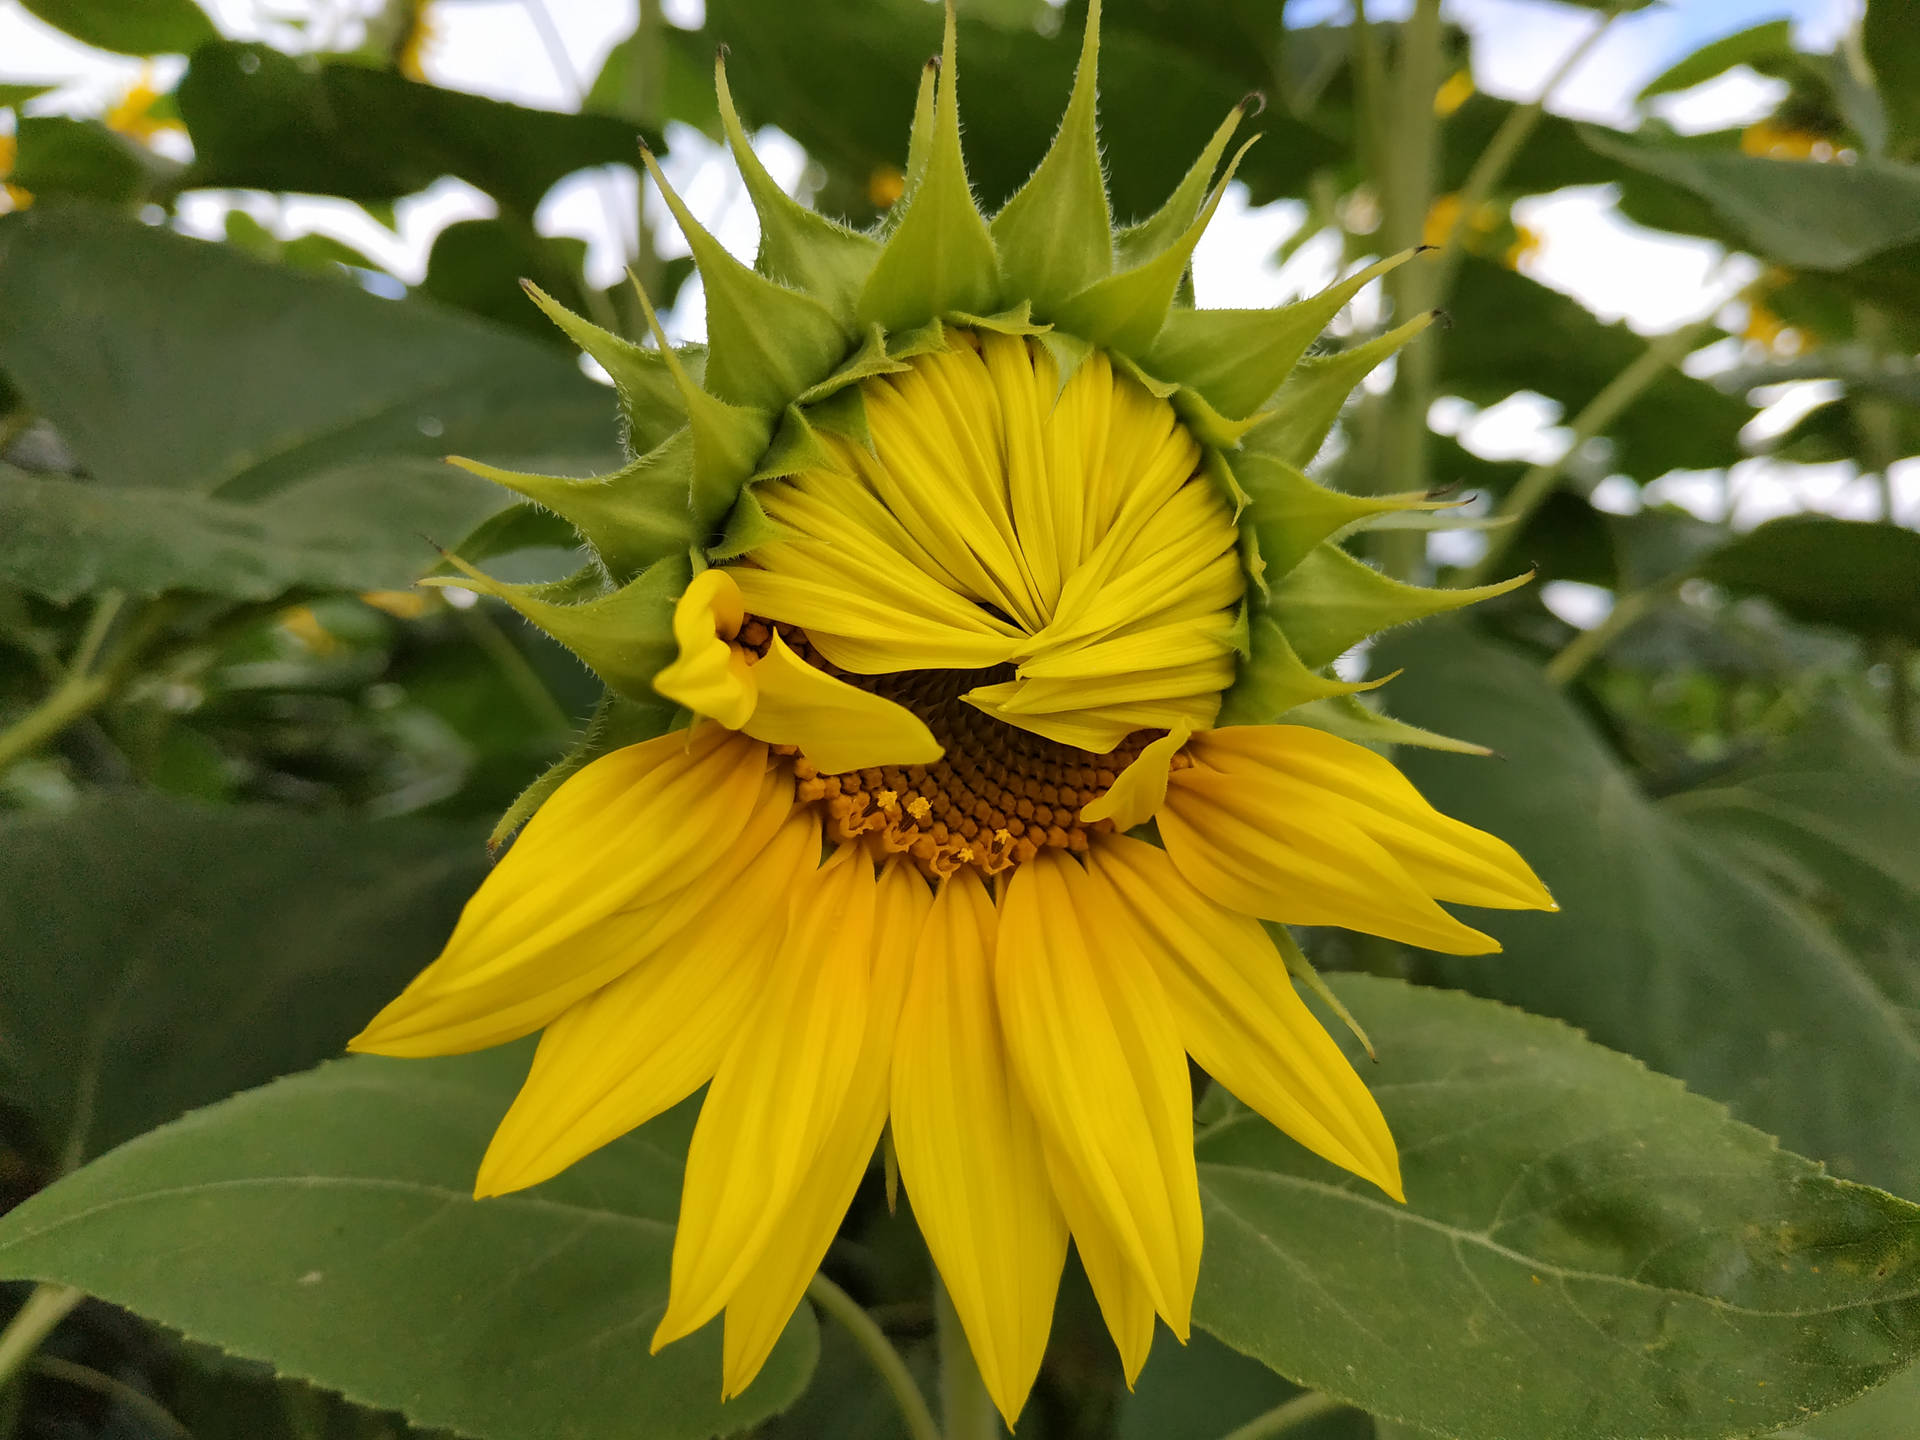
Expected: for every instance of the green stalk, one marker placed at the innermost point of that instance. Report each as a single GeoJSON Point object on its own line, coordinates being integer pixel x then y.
{"type": "Point", "coordinates": [886, 1361]}
{"type": "Point", "coordinates": [1290, 1415]}
{"type": "Point", "coordinates": [1406, 194]}
{"type": "Point", "coordinates": [46, 1306]}
{"type": "Point", "coordinates": [966, 1410]}
{"type": "Point", "coordinates": [139, 1402]}
{"type": "Point", "coordinates": [90, 680]}
{"type": "Point", "coordinates": [1538, 483]}
{"type": "Point", "coordinates": [1589, 645]}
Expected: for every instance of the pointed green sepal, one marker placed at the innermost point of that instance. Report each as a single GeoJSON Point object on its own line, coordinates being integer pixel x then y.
{"type": "Point", "coordinates": [624, 636]}
{"type": "Point", "coordinates": [1069, 353]}
{"type": "Point", "coordinates": [525, 526]}
{"type": "Point", "coordinates": [1292, 514]}
{"type": "Point", "coordinates": [798, 246]}
{"type": "Point", "coordinates": [1273, 679]}
{"type": "Point", "coordinates": [940, 256]}
{"type": "Point", "coordinates": [1237, 359]}
{"type": "Point", "coordinates": [649, 399]}
{"type": "Point", "coordinates": [871, 359]}
{"type": "Point", "coordinates": [1055, 237]}
{"type": "Point", "coordinates": [616, 723]}
{"type": "Point", "coordinates": [1014, 320]}
{"type": "Point", "coordinates": [1302, 970]}
{"type": "Point", "coordinates": [765, 343]}
{"type": "Point", "coordinates": [1330, 602]}
{"type": "Point", "coordinates": [1138, 243]}
{"type": "Point", "coordinates": [844, 413]}
{"type": "Point", "coordinates": [919, 138]}
{"type": "Point", "coordinates": [1125, 312]}
{"type": "Point", "coordinates": [728, 440]}
{"type": "Point", "coordinates": [748, 527]}
{"type": "Point", "coordinates": [631, 517]}
{"type": "Point", "coordinates": [796, 446]}
{"type": "Point", "coordinates": [1208, 425]}
{"type": "Point", "coordinates": [1304, 409]}
{"type": "Point", "coordinates": [1351, 719]}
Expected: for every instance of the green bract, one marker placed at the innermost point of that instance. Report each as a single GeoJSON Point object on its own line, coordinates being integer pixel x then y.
{"type": "Point", "coordinates": [824, 307]}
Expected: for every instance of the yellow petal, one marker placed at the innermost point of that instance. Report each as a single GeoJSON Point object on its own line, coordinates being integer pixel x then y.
{"type": "Point", "coordinates": [969, 1151]}
{"type": "Point", "coordinates": [709, 676]}
{"type": "Point", "coordinates": [1104, 1070]}
{"type": "Point", "coordinates": [1240, 844]}
{"type": "Point", "coordinates": [1124, 1300]}
{"type": "Point", "coordinates": [629, 830]}
{"type": "Point", "coordinates": [651, 1038]}
{"type": "Point", "coordinates": [1098, 729]}
{"type": "Point", "coordinates": [1024, 380]}
{"type": "Point", "coordinates": [1453, 860]}
{"type": "Point", "coordinates": [1141, 788]}
{"type": "Point", "coordinates": [837, 726]}
{"type": "Point", "coordinates": [776, 1095]}
{"type": "Point", "coordinates": [1239, 1015]}
{"type": "Point", "coordinates": [764, 1301]}
{"type": "Point", "coordinates": [871, 628]}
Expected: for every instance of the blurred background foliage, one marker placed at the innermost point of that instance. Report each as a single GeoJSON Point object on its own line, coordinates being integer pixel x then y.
{"type": "Point", "coordinates": [229, 728]}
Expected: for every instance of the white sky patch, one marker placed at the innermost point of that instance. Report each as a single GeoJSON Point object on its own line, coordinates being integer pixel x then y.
{"type": "Point", "coordinates": [1739, 97]}
{"type": "Point", "coordinates": [1581, 606]}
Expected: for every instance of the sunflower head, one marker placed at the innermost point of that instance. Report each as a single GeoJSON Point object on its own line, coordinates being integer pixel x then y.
{"type": "Point", "coordinates": [963, 548]}
{"type": "Point", "coordinates": [980, 467]}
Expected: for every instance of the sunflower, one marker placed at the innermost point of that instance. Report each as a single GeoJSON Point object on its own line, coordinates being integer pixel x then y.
{"type": "Point", "coordinates": [969, 745]}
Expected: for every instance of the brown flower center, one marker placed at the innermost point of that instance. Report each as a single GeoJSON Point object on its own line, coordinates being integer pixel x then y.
{"type": "Point", "coordinates": [996, 798]}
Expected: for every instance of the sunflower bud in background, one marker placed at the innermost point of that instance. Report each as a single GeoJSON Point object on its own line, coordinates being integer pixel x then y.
{"type": "Point", "coordinates": [973, 594]}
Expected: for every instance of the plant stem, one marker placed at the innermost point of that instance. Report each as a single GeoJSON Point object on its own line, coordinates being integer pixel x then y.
{"type": "Point", "coordinates": [138, 1401]}
{"type": "Point", "coordinates": [966, 1410]}
{"type": "Point", "coordinates": [886, 1361]}
{"type": "Point", "coordinates": [46, 1306]}
{"type": "Point", "coordinates": [1491, 166]}
{"type": "Point", "coordinates": [1538, 483]}
{"type": "Point", "coordinates": [1289, 1415]}
{"type": "Point", "coordinates": [1411, 162]}
{"type": "Point", "coordinates": [1589, 645]}
{"type": "Point", "coordinates": [515, 669]}
{"type": "Point", "coordinates": [89, 680]}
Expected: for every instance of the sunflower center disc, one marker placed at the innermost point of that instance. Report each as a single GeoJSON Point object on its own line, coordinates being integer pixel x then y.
{"type": "Point", "coordinates": [994, 800]}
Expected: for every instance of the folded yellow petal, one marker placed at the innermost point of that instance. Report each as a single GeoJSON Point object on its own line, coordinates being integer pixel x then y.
{"type": "Point", "coordinates": [836, 725]}
{"type": "Point", "coordinates": [651, 1038]}
{"type": "Point", "coordinates": [1239, 1015]}
{"type": "Point", "coordinates": [969, 1151]}
{"type": "Point", "coordinates": [764, 1301]}
{"type": "Point", "coordinates": [1236, 841]}
{"type": "Point", "coordinates": [709, 676]}
{"type": "Point", "coordinates": [1097, 1056]}
{"type": "Point", "coordinates": [1137, 795]}
{"type": "Point", "coordinates": [629, 830]}
{"type": "Point", "coordinates": [1452, 859]}
{"type": "Point", "coordinates": [777, 1093]}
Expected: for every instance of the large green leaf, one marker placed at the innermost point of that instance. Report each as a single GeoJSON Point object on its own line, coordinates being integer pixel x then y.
{"type": "Point", "coordinates": [1511, 333]}
{"type": "Point", "coordinates": [266, 121]}
{"type": "Point", "coordinates": [325, 1223]}
{"type": "Point", "coordinates": [1859, 575]}
{"type": "Point", "coordinates": [132, 27]}
{"type": "Point", "coordinates": [1668, 946]}
{"type": "Point", "coordinates": [155, 956]}
{"type": "Point", "coordinates": [61, 156]}
{"type": "Point", "coordinates": [242, 429]}
{"type": "Point", "coordinates": [1769, 40]}
{"type": "Point", "coordinates": [1890, 38]}
{"type": "Point", "coordinates": [1796, 212]}
{"type": "Point", "coordinates": [1587, 1252]}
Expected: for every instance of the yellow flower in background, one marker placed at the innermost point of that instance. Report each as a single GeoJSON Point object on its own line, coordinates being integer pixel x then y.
{"type": "Point", "coordinates": [1453, 93]}
{"type": "Point", "coordinates": [1774, 141]}
{"type": "Point", "coordinates": [973, 816]}
{"type": "Point", "coordinates": [16, 198]}
{"type": "Point", "coordinates": [409, 54]}
{"type": "Point", "coordinates": [133, 115]}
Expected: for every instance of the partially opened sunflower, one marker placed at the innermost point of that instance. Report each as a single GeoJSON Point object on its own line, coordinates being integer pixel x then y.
{"type": "Point", "coordinates": [963, 584]}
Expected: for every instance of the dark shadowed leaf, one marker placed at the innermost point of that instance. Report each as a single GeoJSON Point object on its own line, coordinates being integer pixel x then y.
{"type": "Point", "coordinates": [61, 156]}
{"type": "Point", "coordinates": [131, 27]}
{"type": "Point", "coordinates": [155, 956]}
{"type": "Point", "coordinates": [1859, 575]}
{"type": "Point", "coordinates": [1890, 38]}
{"type": "Point", "coordinates": [1588, 1252]}
{"type": "Point", "coordinates": [317, 462]}
{"type": "Point", "coordinates": [1668, 946]}
{"type": "Point", "coordinates": [324, 1223]}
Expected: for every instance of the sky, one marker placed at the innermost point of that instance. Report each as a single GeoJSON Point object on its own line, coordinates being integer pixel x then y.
{"type": "Point", "coordinates": [1653, 283]}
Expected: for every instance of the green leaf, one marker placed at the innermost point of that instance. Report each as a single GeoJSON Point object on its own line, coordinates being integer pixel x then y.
{"type": "Point", "coordinates": [66, 157]}
{"type": "Point", "coordinates": [1859, 575]}
{"type": "Point", "coordinates": [155, 956]}
{"type": "Point", "coordinates": [1796, 212]}
{"type": "Point", "coordinates": [273, 429]}
{"type": "Point", "coordinates": [1668, 946]}
{"type": "Point", "coordinates": [129, 27]}
{"type": "Point", "coordinates": [1877, 1415]}
{"type": "Point", "coordinates": [1768, 40]}
{"type": "Point", "coordinates": [1587, 1250]}
{"type": "Point", "coordinates": [266, 121]}
{"type": "Point", "coordinates": [12, 97]}
{"type": "Point", "coordinates": [1890, 39]}
{"type": "Point", "coordinates": [324, 1223]}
